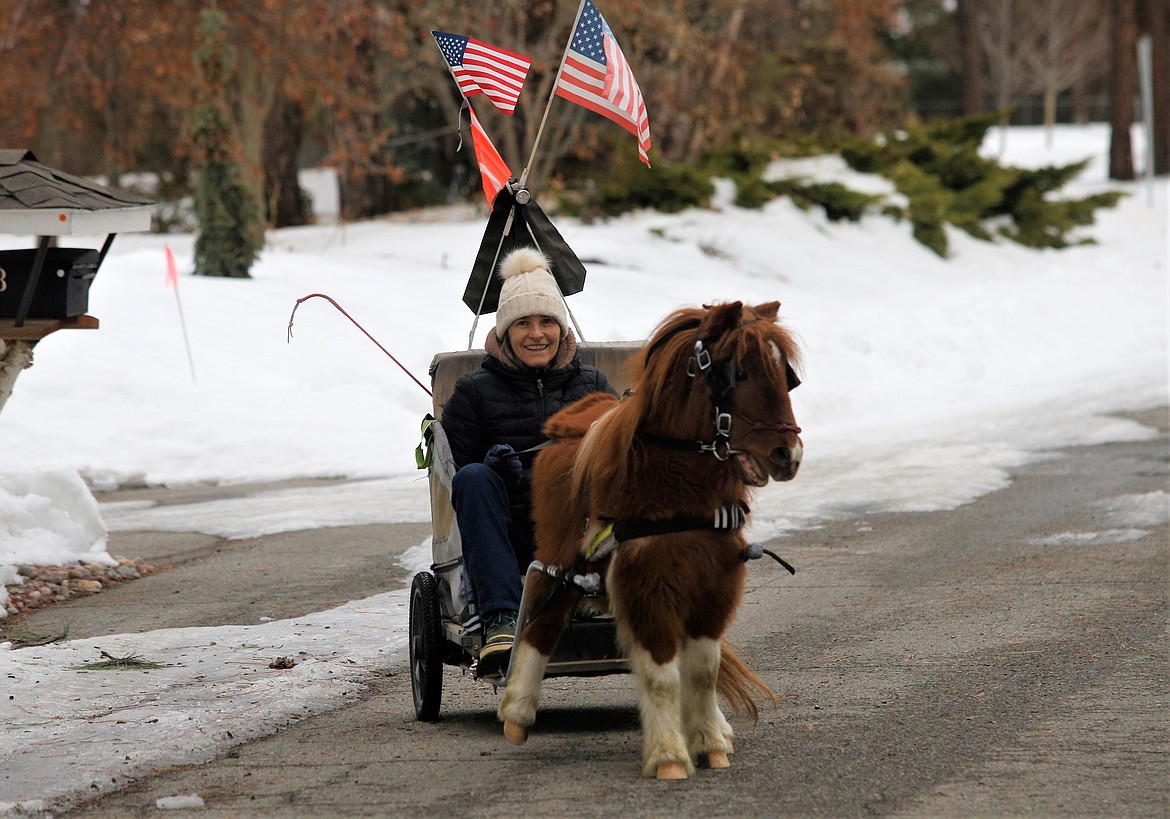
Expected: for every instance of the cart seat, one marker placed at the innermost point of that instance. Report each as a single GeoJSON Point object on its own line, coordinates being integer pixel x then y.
{"type": "Point", "coordinates": [607, 356]}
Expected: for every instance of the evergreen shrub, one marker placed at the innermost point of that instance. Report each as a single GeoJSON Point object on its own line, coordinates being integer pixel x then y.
{"type": "Point", "coordinates": [939, 170]}
{"type": "Point", "coordinates": [670, 187]}
{"type": "Point", "coordinates": [935, 167]}
{"type": "Point", "coordinates": [838, 201]}
{"type": "Point", "coordinates": [231, 219]}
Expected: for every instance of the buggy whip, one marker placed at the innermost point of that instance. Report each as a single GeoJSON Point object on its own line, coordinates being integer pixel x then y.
{"type": "Point", "coordinates": [355, 324]}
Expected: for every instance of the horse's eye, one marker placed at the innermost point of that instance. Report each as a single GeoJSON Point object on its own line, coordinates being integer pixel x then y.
{"type": "Point", "coordinates": [741, 375]}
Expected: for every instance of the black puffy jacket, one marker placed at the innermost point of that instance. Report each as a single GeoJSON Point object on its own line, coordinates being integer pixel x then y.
{"type": "Point", "coordinates": [497, 404]}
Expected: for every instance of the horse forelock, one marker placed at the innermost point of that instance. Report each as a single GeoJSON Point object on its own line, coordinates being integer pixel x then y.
{"type": "Point", "coordinates": [776, 344]}
{"type": "Point", "coordinates": [737, 331]}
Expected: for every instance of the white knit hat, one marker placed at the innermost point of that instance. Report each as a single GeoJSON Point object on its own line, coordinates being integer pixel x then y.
{"type": "Point", "coordinates": [528, 290]}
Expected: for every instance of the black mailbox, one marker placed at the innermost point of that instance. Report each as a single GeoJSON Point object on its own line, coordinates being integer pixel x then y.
{"type": "Point", "coordinates": [62, 289]}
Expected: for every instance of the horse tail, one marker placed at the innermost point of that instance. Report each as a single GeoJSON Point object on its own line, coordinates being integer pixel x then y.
{"type": "Point", "coordinates": [737, 683]}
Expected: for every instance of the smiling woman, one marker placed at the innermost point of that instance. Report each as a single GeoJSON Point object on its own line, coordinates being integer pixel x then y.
{"type": "Point", "coordinates": [493, 419]}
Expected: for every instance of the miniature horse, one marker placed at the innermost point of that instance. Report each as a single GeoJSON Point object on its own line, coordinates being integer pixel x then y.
{"type": "Point", "coordinates": [651, 493]}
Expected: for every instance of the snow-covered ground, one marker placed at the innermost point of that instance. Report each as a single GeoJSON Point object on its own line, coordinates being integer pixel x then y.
{"type": "Point", "coordinates": [925, 381]}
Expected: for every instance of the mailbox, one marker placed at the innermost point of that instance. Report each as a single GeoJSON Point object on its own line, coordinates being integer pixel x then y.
{"type": "Point", "coordinates": [62, 289]}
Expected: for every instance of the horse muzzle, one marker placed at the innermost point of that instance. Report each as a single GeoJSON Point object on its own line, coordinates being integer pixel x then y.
{"type": "Point", "coordinates": [780, 464]}
{"type": "Point", "coordinates": [784, 461]}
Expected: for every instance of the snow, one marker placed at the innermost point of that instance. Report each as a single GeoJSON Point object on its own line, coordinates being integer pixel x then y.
{"type": "Point", "coordinates": [182, 802]}
{"type": "Point", "coordinates": [925, 382]}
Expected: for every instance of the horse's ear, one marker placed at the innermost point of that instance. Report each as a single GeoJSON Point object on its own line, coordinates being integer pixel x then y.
{"type": "Point", "coordinates": [720, 319]}
{"type": "Point", "coordinates": [768, 311]}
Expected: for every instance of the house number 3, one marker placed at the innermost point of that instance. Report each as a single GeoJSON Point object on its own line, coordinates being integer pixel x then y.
{"type": "Point", "coordinates": [3, 280]}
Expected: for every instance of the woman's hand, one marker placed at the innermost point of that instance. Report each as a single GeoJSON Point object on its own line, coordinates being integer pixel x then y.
{"type": "Point", "coordinates": [504, 461]}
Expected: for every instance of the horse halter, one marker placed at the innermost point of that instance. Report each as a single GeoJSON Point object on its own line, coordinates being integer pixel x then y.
{"type": "Point", "coordinates": [721, 376]}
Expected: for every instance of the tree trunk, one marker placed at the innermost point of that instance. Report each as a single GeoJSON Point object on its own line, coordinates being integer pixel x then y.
{"type": "Point", "coordinates": [722, 61]}
{"type": "Point", "coordinates": [358, 184]}
{"type": "Point", "coordinates": [972, 59]}
{"type": "Point", "coordinates": [257, 92]}
{"type": "Point", "coordinates": [363, 194]}
{"type": "Point", "coordinates": [1122, 85]}
{"type": "Point", "coordinates": [1049, 114]}
{"type": "Point", "coordinates": [1157, 23]}
{"type": "Point", "coordinates": [1080, 101]}
{"type": "Point", "coordinates": [284, 131]}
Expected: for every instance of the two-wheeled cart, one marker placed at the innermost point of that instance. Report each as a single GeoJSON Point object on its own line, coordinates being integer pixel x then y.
{"type": "Point", "coordinates": [445, 628]}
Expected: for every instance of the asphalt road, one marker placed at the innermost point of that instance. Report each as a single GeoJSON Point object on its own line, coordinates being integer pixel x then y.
{"type": "Point", "coordinates": [1005, 658]}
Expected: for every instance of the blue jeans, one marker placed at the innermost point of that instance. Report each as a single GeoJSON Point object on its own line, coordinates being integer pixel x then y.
{"type": "Point", "coordinates": [497, 547]}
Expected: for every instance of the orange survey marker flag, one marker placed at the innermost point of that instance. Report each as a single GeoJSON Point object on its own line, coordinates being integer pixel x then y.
{"type": "Point", "coordinates": [493, 170]}
{"type": "Point", "coordinates": [172, 279]}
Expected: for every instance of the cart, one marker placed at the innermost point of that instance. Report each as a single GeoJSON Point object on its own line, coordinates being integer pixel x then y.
{"type": "Point", "coordinates": [445, 628]}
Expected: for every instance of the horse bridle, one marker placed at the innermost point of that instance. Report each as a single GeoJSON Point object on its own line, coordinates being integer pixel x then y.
{"type": "Point", "coordinates": [721, 376]}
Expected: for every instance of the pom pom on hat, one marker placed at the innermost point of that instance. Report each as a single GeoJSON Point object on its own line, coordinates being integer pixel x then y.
{"type": "Point", "coordinates": [529, 289]}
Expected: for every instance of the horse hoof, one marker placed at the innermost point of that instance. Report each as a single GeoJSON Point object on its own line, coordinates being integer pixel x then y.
{"type": "Point", "coordinates": [515, 733]}
{"type": "Point", "coordinates": [718, 759]}
{"type": "Point", "coordinates": [672, 770]}
{"type": "Point", "coordinates": [730, 747]}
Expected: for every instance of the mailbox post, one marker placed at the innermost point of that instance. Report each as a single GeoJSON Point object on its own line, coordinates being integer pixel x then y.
{"type": "Point", "coordinates": [45, 289]}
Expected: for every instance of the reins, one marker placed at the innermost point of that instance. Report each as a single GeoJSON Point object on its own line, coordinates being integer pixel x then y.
{"type": "Point", "coordinates": [760, 426]}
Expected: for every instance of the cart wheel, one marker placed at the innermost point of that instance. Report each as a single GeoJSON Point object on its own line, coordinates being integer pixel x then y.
{"type": "Point", "coordinates": [426, 647]}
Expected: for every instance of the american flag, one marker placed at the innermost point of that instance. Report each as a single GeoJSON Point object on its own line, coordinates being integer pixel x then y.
{"type": "Point", "coordinates": [595, 74]}
{"type": "Point", "coordinates": [479, 68]}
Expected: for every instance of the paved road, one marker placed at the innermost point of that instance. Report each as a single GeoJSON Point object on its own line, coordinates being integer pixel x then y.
{"type": "Point", "coordinates": [1009, 657]}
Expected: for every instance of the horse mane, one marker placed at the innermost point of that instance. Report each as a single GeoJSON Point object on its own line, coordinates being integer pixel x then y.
{"type": "Point", "coordinates": [660, 388]}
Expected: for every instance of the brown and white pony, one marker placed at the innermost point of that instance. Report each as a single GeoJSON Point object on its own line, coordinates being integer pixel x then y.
{"type": "Point", "coordinates": [668, 468]}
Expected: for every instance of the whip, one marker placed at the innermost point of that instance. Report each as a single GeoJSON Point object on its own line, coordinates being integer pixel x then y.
{"type": "Point", "coordinates": [355, 324]}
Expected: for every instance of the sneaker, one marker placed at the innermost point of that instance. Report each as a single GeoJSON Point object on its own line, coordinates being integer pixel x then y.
{"type": "Point", "coordinates": [500, 633]}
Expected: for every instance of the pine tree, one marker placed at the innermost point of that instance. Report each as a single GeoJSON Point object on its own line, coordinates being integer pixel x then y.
{"type": "Point", "coordinates": [231, 226]}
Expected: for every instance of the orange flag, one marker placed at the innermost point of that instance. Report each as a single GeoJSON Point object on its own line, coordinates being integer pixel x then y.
{"type": "Point", "coordinates": [172, 279]}
{"type": "Point", "coordinates": [493, 170]}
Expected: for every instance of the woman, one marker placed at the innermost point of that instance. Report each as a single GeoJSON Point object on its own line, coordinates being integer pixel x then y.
{"type": "Point", "coordinates": [495, 415]}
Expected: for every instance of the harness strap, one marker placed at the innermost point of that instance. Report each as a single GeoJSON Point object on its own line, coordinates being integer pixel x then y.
{"type": "Point", "coordinates": [589, 584]}
{"type": "Point", "coordinates": [726, 519]}
{"type": "Point", "coordinates": [616, 532]}
{"type": "Point", "coordinates": [678, 444]}
{"type": "Point", "coordinates": [689, 324]}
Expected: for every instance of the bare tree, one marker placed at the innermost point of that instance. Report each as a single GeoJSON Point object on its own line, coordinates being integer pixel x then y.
{"type": "Point", "coordinates": [973, 62]}
{"type": "Point", "coordinates": [719, 70]}
{"type": "Point", "coordinates": [1067, 45]}
{"type": "Point", "coordinates": [1122, 86]}
{"type": "Point", "coordinates": [1156, 19]}
{"type": "Point", "coordinates": [1001, 37]}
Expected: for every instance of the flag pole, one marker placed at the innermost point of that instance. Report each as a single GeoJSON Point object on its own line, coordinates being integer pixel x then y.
{"type": "Point", "coordinates": [552, 94]}
{"type": "Point", "coordinates": [186, 340]}
{"type": "Point", "coordinates": [172, 280]}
